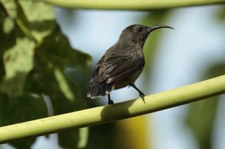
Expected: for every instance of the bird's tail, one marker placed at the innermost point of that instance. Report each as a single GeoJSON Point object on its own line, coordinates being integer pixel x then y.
{"type": "Point", "coordinates": [99, 89]}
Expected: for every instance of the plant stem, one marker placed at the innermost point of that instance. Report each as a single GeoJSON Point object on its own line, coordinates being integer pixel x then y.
{"type": "Point", "coordinates": [110, 113]}
{"type": "Point", "coordinates": [131, 4]}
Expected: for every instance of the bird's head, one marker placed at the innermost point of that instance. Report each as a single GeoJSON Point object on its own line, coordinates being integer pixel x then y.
{"type": "Point", "coordinates": [137, 33]}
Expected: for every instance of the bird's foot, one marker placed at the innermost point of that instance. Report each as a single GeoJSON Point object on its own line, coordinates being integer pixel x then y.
{"type": "Point", "coordinates": [142, 95]}
{"type": "Point", "coordinates": [110, 102]}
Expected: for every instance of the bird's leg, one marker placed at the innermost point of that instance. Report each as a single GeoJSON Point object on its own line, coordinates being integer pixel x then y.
{"type": "Point", "coordinates": [139, 91]}
{"type": "Point", "coordinates": [109, 100]}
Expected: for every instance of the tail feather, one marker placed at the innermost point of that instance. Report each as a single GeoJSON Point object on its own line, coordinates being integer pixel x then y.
{"type": "Point", "coordinates": [99, 89]}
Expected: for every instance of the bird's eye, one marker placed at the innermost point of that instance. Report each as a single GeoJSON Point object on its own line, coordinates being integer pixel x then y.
{"type": "Point", "coordinates": [139, 29]}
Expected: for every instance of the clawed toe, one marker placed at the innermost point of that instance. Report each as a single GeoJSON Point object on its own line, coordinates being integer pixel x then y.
{"type": "Point", "coordinates": [142, 95]}
{"type": "Point", "coordinates": [110, 102]}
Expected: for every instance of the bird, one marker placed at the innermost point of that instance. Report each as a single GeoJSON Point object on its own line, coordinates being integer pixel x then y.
{"type": "Point", "coordinates": [121, 64]}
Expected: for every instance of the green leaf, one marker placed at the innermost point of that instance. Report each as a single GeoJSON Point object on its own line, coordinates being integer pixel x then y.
{"type": "Point", "coordinates": [40, 22]}
{"type": "Point", "coordinates": [63, 85]}
{"type": "Point", "coordinates": [83, 137]}
{"type": "Point", "coordinates": [8, 25]}
{"type": "Point", "coordinates": [10, 7]}
{"type": "Point", "coordinates": [34, 21]}
{"type": "Point", "coordinates": [74, 138]}
{"type": "Point", "coordinates": [18, 61]}
{"type": "Point", "coordinates": [54, 59]}
{"type": "Point", "coordinates": [68, 139]}
{"type": "Point", "coordinates": [25, 108]}
{"type": "Point", "coordinates": [30, 36]}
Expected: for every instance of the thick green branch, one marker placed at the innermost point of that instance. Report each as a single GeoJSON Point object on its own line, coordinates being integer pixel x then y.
{"type": "Point", "coordinates": [105, 114]}
{"type": "Point", "coordinates": [131, 4]}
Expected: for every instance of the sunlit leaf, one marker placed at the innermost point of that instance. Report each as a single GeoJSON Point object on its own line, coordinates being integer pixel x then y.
{"type": "Point", "coordinates": [10, 7]}
{"type": "Point", "coordinates": [30, 27]}
{"type": "Point", "coordinates": [53, 57]}
{"type": "Point", "coordinates": [63, 85]}
{"type": "Point", "coordinates": [34, 59]}
{"type": "Point", "coordinates": [18, 61]}
{"type": "Point", "coordinates": [41, 21]}
{"type": "Point", "coordinates": [83, 137]}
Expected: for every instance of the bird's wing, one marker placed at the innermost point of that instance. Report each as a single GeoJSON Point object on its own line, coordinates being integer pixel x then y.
{"type": "Point", "coordinates": [117, 66]}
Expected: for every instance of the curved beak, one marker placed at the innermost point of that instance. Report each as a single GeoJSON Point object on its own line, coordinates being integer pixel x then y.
{"type": "Point", "coordinates": [159, 27]}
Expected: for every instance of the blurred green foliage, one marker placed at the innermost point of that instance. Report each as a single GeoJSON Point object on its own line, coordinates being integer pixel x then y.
{"type": "Point", "coordinates": [35, 58]}
{"type": "Point", "coordinates": [202, 115]}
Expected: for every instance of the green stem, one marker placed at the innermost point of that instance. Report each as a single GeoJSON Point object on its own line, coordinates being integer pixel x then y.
{"type": "Point", "coordinates": [110, 113]}
{"type": "Point", "coordinates": [131, 4]}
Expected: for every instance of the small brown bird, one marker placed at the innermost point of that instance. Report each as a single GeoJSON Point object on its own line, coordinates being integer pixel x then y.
{"type": "Point", "coordinates": [122, 64]}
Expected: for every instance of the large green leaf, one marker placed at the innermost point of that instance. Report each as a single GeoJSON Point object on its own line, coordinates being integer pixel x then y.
{"type": "Point", "coordinates": [52, 57]}
{"type": "Point", "coordinates": [17, 62]}
{"type": "Point", "coordinates": [55, 65]}
{"type": "Point", "coordinates": [22, 28]}
{"type": "Point", "coordinates": [34, 58]}
{"type": "Point", "coordinates": [40, 22]}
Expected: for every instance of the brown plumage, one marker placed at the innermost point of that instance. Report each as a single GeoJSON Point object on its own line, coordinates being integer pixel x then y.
{"type": "Point", "coordinates": [122, 64]}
